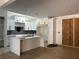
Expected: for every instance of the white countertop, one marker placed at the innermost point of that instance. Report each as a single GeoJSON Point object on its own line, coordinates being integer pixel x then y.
{"type": "Point", "coordinates": [35, 36]}
{"type": "Point", "coordinates": [24, 37]}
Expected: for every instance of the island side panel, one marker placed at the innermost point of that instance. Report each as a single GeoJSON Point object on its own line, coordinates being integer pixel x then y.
{"type": "Point", "coordinates": [15, 45]}
{"type": "Point", "coordinates": [28, 44]}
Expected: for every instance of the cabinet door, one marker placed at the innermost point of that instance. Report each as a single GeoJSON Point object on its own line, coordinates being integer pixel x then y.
{"type": "Point", "coordinates": [20, 19]}
{"type": "Point", "coordinates": [76, 32]}
{"type": "Point", "coordinates": [27, 26]}
{"type": "Point", "coordinates": [34, 25]}
{"type": "Point", "coordinates": [10, 24]}
{"type": "Point", "coordinates": [67, 32]}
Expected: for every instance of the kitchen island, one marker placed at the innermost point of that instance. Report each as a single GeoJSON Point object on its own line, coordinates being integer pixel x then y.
{"type": "Point", "coordinates": [22, 43]}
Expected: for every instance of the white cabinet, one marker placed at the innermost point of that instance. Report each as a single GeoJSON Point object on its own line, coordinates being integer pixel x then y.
{"type": "Point", "coordinates": [27, 26]}
{"type": "Point", "coordinates": [12, 20]}
{"type": "Point", "coordinates": [20, 19]}
{"type": "Point", "coordinates": [30, 25]}
{"type": "Point", "coordinates": [10, 24]}
{"type": "Point", "coordinates": [34, 25]}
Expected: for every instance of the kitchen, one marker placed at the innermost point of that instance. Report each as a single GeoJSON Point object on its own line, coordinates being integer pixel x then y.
{"type": "Point", "coordinates": [39, 29]}
{"type": "Point", "coordinates": [25, 33]}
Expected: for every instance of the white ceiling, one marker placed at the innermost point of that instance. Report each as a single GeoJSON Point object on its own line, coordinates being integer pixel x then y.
{"type": "Point", "coordinates": [39, 8]}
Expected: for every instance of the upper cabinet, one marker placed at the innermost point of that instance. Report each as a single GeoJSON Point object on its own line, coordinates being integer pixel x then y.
{"type": "Point", "coordinates": [20, 19]}
{"type": "Point", "coordinates": [10, 24]}
{"type": "Point", "coordinates": [12, 18]}
{"type": "Point", "coordinates": [31, 25]}
{"type": "Point", "coordinates": [34, 25]}
{"type": "Point", "coordinates": [27, 26]}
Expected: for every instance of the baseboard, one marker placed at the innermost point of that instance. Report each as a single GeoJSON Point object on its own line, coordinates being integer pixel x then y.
{"type": "Point", "coordinates": [69, 46]}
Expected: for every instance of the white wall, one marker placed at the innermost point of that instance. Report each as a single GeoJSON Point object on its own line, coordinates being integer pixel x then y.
{"type": "Point", "coordinates": [59, 29]}
{"type": "Point", "coordinates": [3, 13]}
{"type": "Point", "coordinates": [59, 26]}
{"type": "Point", "coordinates": [50, 33]}
{"type": "Point", "coordinates": [50, 38]}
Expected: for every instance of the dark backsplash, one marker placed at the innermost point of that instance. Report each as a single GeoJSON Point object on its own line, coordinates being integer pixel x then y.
{"type": "Point", "coordinates": [12, 32]}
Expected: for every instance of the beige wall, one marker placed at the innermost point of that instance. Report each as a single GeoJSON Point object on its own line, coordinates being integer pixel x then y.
{"type": "Point", "coordinates": [59, 26]}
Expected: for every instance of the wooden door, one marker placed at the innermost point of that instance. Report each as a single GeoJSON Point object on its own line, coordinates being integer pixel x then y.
{"type": "Point", "coordinates": [67, 32]}
{"type": "Point", "coordinates": [76, 40]}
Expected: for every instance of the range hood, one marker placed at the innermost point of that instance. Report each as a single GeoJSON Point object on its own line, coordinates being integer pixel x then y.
{"type": "Point", "coordinates": [4, 3]}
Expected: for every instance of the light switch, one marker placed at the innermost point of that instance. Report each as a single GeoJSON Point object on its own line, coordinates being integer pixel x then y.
{"type": "Point", "coordinates": [58, 32]}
